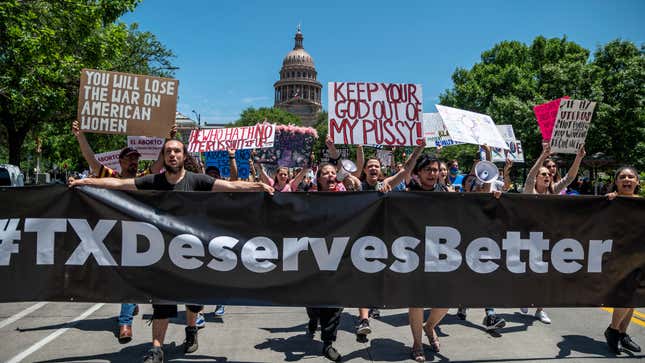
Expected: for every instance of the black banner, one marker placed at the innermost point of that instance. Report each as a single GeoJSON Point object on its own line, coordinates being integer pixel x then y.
{"type": "Point", "coordinates": [326, 249]}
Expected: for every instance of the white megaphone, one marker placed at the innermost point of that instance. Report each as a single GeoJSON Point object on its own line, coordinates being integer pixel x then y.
{"type": "Point", "coordinates": [346, 167]}
{"type": "Point", "coordinates": [486, 172]}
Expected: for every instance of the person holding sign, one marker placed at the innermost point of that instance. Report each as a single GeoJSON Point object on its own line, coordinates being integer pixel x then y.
{"type": "Point", "coordinates": [177, 178]}
{"type": "Point", "coordinates": [539, 181]}
{"type": "Point", "coordinates": [626, 184]}
{"type": "Point", "coordinates": [281, 181]}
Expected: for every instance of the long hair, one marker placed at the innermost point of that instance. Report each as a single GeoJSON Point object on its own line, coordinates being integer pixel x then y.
{"type": "Point", "coordinates": [380, 173]}
{"type": "Point", "coordinates": [320, 168]}
{"type": "Point", "coordinates": [637, 190]}
{"type": "Point", "coordinates": [275, 177]}
{"type": "Point", "coordinates": [446, 180]}
{"type": "Point", "coordinates": [556, 178]}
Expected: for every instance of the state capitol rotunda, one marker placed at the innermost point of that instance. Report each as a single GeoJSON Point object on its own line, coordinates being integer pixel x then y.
{"type": "Point", "coordinates": [298, 90]}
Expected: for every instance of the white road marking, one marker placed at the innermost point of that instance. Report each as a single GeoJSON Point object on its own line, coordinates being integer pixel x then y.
{"type": "Point", "coordinates": [54, 335]}
{"type": "Point", "coordinates": [21, 314]}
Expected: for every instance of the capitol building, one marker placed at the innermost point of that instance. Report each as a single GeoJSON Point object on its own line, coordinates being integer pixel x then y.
{"type": "Point", "coordinates": [298, 90]}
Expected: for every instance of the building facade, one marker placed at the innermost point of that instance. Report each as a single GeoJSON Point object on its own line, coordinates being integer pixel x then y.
{"type": "Point", "coordinates": [298, 90]}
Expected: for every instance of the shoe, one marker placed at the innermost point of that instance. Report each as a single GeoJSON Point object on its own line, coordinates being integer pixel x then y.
{"type": "Point", "coordinates": [418, 355]}
{"type": "Point", "coordinates": [219, 310]}
{"type": "Point", "coordinates": [627, 343]}
{"type": "Point", "coordinates": [492, 322]}
{"type": "Point", "coordinates": [154, 355]}
{"type": "Point", "coordinates": [524, 310]}
{"type": "Point", "coordinates": [375, 313]}
{"type": "Point", "coordinates": [311, 327]}
{"type": "Point", "coordinates": [200, 321]}
{"type": "Point", "coordinates": [190, 344]}
{"type": "Point", "coordinates": [331, 353]}
{"type": "Point", "coordinates": [461, 313]}
{"type": "Point", "coordinates": [541, 315]}
{"type": "Point", "coordinates": [613, 337]}
{"type": "Point", "coordinates": [363, 327]}
{"type": "Point", "coordinates": [433, 340]}
{"type": "Point", "coordinates": [136, 310]}
{"type": "Point", "coordinates": [125, 333]}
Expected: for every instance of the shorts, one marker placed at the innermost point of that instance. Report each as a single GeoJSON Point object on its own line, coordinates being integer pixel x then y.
{"type": "Point", "coordinates": [170, 311]}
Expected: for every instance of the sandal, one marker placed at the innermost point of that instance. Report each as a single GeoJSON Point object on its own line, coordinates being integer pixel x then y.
{"type": "Point", "coordinates": [433, 340]}
{"type": "Point", "coordinates": [418, 355]}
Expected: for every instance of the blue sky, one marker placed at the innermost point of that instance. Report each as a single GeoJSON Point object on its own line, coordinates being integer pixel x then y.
{"type": "Point", "coordinates": [230, 52]}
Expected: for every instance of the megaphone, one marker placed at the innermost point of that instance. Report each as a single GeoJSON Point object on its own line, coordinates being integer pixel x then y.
{"type": "Point", "coordinates": [346, 167]}
{"type": "Point", "coordinates": [486, 172]}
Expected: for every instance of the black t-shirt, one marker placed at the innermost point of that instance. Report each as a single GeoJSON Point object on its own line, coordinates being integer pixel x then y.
{"type": "Point", "coordinates": [416, 187]}
{"type": "Point", "coordinates": [189, 183]}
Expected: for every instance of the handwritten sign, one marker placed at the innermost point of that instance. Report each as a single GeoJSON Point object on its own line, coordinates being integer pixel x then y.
{"type": "Point", "coordinates": [435, 132]}
{"type": "Point", "coordinates": [471, 127]}
{"type": "Point", "coordinates": [545, 115]}
{"type": "Point", "coordinates": [109, 159]}
{"type": "Point", "coordinates": [235, 138]}
{"type": "Point", "coordinates": [514, 152]}
{"type": "Point", "coordinates": [123, 103]}
{"type": "Point", "coordinates": [221, 160]}
{"type": "Point", "coordinates": [148, 147]}
{"type": "Point", "coordinates": [571, 125]}
{"type": "Point", "coordinates": [366, 113]}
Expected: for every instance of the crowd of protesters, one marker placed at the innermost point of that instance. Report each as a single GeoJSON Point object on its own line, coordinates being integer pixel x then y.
{"type": "Point", "coordinates": [177, 170]}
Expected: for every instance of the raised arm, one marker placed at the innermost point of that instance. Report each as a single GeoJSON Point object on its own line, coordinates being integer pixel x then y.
{"type": "Point", "coordinates": [107, 183]}
{"type": "Point", "coordinates": [530, 179]}
{"type": "Point", "coordinates": [232, 165]}
{"type": "Point", "coordinates": [86, 150]}
{"type": "Point", "coordinates": [360, 161]}
{"type": "Point", "coordinates": [298, 178]}
{"type": "Point", "coordinates": [263, 175]}
{"type": "Point", "coordinates": [507, 175]}
{"type": "Point", "coordinates": [572, 173]}
{"type": "Point", "coordinates": [395, 179]}
{"type": "Point", "coordinates": [155, 168]}
{"type": "Point", "coordinates": [241, 186]}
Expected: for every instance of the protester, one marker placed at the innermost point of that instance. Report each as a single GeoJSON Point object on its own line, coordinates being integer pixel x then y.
{"type": "Point", "coordinates": [444, 178]}
{"type": "Point", "coordinates": [555, 173]}
{"type": "Point", "coordinates": [626, 184]}
{"type": "Point", "coordinates": [539, 181]}
{"type": "Point", "coordinates": [176, 178]}
{"type": "Point", "coordinates": [281, 181]}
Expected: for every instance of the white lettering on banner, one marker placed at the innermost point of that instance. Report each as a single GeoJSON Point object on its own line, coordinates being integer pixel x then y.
{"type": "Point", "coordinates": [369, 254]}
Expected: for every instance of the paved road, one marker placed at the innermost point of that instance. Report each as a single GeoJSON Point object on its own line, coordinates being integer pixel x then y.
{"type": "Point", "coordinates": [252, 334]}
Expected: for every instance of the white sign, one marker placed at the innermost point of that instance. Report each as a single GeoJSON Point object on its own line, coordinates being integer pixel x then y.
{"type": "Point", "coordinates": [571, 125]}
{"type": "Point", "coordinates": [385, 157]}
{"type": "Point", "coordinates": [109, 159]}
{"type": "Point", "coordinates": [515, 152]}
{"type": "Point", "coordinates": [435, 132]}
{"type": "Point", "coordinates": [234, 138]}
{"type": "Point", "coordinates": [471, 127]}
{"type": "Point", "coordinates": [368, 113]}
{"type": "Point", "coordinates": [148, 147]}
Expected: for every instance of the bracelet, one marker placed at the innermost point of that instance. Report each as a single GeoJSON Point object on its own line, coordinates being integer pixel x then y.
{"type": "Point", "coordinates": [231, 157]}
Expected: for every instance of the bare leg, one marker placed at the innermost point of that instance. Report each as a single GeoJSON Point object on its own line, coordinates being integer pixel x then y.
{"type": "Point", "coordinates": [622, 327]}
{"type": "Point", "coordinates": [363, 313]}
{"type": "Point", "coordinates": [159, 327]}
{"type": "Point", "coordinates": [415, 315]}
{"type": "Point", "coordinates": [190, 318]}
{"type": "Point", "coordinates": [436, 314]}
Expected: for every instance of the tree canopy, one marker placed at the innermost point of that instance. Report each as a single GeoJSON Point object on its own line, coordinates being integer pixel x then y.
{"type": "Point", "coordinates": [252, 116]}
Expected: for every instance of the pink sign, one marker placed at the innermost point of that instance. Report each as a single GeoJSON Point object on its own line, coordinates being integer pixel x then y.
{"type": "Point", "coordinates": [546, 114]}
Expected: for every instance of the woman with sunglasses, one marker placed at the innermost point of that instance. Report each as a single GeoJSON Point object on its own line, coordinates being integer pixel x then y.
{"type": "Point", "coordinates": [626, 184]}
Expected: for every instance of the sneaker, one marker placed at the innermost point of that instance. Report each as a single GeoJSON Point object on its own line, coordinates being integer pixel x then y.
{"type": "Point", "coordinates": [541, 315]}
{"type": "Point", "coordinates": [200, 321]}
{"type": "Point", "coordinates": [524, 310]}
{"type": "Point", "coordinates": [190, 344]}
{"type": "Point", "coordinates": [311, 327]}
{"type": "Point", "coordinates": [363, 327]}
{"type": "Point", "coordinates": [613, 337]}
{"type": "Point", "coordinates": [219, 310]}
{"type": "Point", "coordinates": [492, 322]}
{"type": "Point", "coordinates": [331, 353]}
{"type": "Point", "coordinates": [375, 313]}
{"type": "Point", "coordinates": [461, 313]}
{"type": "Point", "coordinates": [627, 343]}
{"type": "Point", "coordinates": [154, 355]}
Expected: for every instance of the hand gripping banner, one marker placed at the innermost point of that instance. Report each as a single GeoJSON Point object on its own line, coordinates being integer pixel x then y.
{"type": "Point", "coordinates": [324, 249]}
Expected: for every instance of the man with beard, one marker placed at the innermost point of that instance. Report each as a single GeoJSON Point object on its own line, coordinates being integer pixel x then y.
{"type": "Point", "coordinates": [176, 178]}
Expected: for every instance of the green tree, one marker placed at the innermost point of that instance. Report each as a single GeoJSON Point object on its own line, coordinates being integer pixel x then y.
{"type": "Point", "coordinates": [252, 116]}
{"type": "Point", "coordinates": [43, 47]}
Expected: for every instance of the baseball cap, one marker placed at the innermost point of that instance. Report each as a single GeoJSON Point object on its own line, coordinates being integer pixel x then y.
{"type": "Point", "coordinates": [128, 151]}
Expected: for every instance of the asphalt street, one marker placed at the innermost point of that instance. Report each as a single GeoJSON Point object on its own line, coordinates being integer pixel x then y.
{"type": "Point", "coordinates": [86, 332]}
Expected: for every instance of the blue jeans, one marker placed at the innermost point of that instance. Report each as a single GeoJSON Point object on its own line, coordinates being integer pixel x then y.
{"type": "Point", "coordinates": [125, 317]}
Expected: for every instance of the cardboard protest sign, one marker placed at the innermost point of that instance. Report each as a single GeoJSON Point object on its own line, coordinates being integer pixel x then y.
{"type": "Point", "coordinates": [545, 115]}
{"type": "Point", "coordinates": [515, 152]}
{"type": "Point", "coordinates": [292, 147]}
{"type": "Point", "coordinates": [235, 138]}
{"type": "Point", "coordinates": [366, 113]}
{"type": "Point", "coordinates": [571, 125]}
{"type": "Point", "coordinates": [343, 151]}
{"type": "Point", "coordinates": [384, 157]}
{"type": "Point", "coordinates": [435, 132]}
{"type": "Point", "coordinates": [221, 160]}
{"type": "Point", "coordinates": [109, 159]}
{"type": "Point", "coordinates": [471, 127]}
{"type": "Point", "coordinates": [123, 103]}
{"type": "Point", "coordinates": [148, 147]}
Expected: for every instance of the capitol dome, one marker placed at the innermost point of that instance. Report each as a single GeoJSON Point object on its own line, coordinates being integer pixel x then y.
{"type": "Point", "coordinates": [298, 90]}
